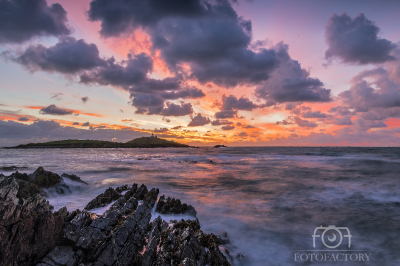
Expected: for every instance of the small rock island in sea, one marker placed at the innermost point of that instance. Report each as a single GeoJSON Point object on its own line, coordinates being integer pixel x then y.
{"type": "Point", "coordinates": [130, 232]}
{"type": "Point", "coordinates": [143, 142]}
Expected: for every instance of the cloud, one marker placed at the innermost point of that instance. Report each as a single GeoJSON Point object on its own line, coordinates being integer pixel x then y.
{"type": "Point", "coordinates": [161, 130]}
{"type": "Point", "coordinates": [356, 41]}
{"type": "Point", "coordinates": [228, 127]}
{"type": "Point", "coordinates": [341, 121]}
{"type": "Point", "coordinates": [21, 20]}
{"type": "Point", "coordinates": [177, 127]}
{"type": "Point", "coordinates": [242, 134]}
{"type": "Point", "coordinates": [172, 109]}
{"type": "Point", "coordinates": [226, 114]}
{"type": "Point", "coordinates": [291, 83]}
{"type": "Point", "coordinates": [362, 125]}
{"type": "Point", "coordinates": [372, 89]}
{"type": "Point", "coordinates": [219, 122]}
{"type": "Point", "coordinates": [68, 56]}
{"type": "Point", "coordinates": [185, 93]}
{"type": "Point", "coordinates": [199, 120]}
{"type": "Point", "coordinates": [54, 110]}
{"type": "Point", "coordinates": [57, 96]}
{"type": "Point", "coordinates": [85, 99]}
{"type": "Point", "coordinates": [304, 123]}
{"type": "Point", "coordinates": [75, 124]}
{"type": "Point", "coordinates": [248, 126]}
{"type": "Point", "coordinates": [207, 35]}
{"type": "Point", "coordinates": [118, 17]}
{"type": "Point", "coordinates": [231, 102]}
{"type": "Point", "coordinates": [85, 124]}
{"type": "Point", "coordinates": [124, 74]}
{"type": "Point", "coordinates": [23, 119]}
{"type": "Point", "coordinates": [287, 121]}
{"type": "Point", "coordinates": [314, 114]}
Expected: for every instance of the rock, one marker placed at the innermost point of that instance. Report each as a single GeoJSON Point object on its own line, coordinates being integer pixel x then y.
{"type": "Point", "coordinates": [45, 179]}
{"type": "Point", "coordinates": [105, 198]}
{"type": "Point", "coordinates": [174, 206]}
{"type": "Point", "coordinates": [31, 235]}
{"type": "Point", "coordinates": [74, 178]}
{"type": "Point", "coordinates": [28, 229]}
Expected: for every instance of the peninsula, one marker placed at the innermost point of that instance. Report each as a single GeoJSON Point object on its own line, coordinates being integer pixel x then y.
{"type": "Point", "coordinates": [142, 142]}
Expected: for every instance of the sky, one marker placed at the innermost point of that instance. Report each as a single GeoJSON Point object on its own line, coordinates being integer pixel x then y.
{"type": "Point", "coordinates": [201, 72]}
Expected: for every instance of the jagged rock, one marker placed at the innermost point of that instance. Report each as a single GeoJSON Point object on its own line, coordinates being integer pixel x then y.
{"type": "Point", "coordinates": [28, 229]}
{"type": "Point", "coordinates": [45, 179]}
{"type": "Point", "coordinates": [74, 178]}
{"type": "Point", "coordinates": [105, 198]}
{"type": "Point", "coordinates": [172, 205]}
{"type": "Point", "coordinates": [31, 235]}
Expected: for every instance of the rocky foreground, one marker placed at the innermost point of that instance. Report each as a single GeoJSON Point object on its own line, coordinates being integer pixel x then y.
{"type": "Point", "coordinates": [31, 234]}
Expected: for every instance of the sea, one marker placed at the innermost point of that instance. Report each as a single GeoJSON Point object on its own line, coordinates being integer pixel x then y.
{"type": "Point", "coordinates": [277, 205]}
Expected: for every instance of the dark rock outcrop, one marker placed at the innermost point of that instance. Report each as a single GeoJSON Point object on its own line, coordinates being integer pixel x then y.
{"type": "Point", "coordinates": [74, 178]}
{"type": "Point", "coordinates": [126, 234]}
{"type": "Point", "coordinates": [28, 229]}
{"type": "Point", "coordinates": [174, 206]}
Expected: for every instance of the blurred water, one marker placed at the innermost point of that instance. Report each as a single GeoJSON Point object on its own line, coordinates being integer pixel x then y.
{"type": "Point", "coordinates": [268, 199]}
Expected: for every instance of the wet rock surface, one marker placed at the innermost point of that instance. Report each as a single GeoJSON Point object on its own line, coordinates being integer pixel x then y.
{"type": "Point", "coordinates": [174, 206]}
{"type": "Point", "coordinates": [126, 234]}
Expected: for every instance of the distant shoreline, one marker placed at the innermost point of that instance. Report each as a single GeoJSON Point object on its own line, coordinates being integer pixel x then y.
{"type": "Point", "coordinates": [143, 142]}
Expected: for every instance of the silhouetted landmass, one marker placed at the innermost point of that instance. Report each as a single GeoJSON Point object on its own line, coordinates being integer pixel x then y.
{"type": "Point", "coordinates": [220, 146]}
{"type": "Point", "coordinates": [143, 142]}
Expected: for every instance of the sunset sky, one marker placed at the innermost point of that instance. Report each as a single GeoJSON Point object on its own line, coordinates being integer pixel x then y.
{"type": "Point", "coordinates": [246, 73]}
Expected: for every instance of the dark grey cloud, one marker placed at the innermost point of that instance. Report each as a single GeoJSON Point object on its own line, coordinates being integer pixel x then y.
{"type": "Point", "coordinates": [304, 123]}
{"type": "Point", "coordinates": [68, 56]}
{"type": "Point", "coordinates": [342, 110]}
{"type": "Point", "coordinates": [356, 41]}
{"type": "Point", "coordinates": [172, 109]}
{"type": "Point", "coordinates": [361, 125]}
{"type": "Point", "coordinates": [199, 120]}
{"type": "Point", "coordinates": [21, 20]}
{"type": "Point", "coordinates": [314, 114]}
{"type": "Point", "coordinates": [228, 127]}
{"type": "Point", "coordinates": [125, 74]}
{"type": "Point", "coordinates": [226, 114]}
{"type": "Point", "coordinates": [185, 93]}
{"type": "Point", "coordinates": [120, 16]}
{"type": "Point", "coordinates": [23, 119]}
{"type": "Point", "coordinates": [55, 110]}
{"type": "Point", "coordinates": [343, 121]}
{"type": "Point", "coordinates": [291, 83]}
{"type": "Point", "coordinates": [85, 124]}
{"type": "Point", "coordinates": [75, 124]}
{"type": "Point", "coordinates": [231, 102]}
{"type": "Point", "coordinates": [207, 35]}
{"type": "Point", "coordinates": [85, 99]}
{"type": "Point", "coordinates": [220, 122]}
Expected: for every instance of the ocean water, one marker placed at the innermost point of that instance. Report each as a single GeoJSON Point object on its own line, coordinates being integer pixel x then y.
{"type": "Point", "coordinates": [269, 200]}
